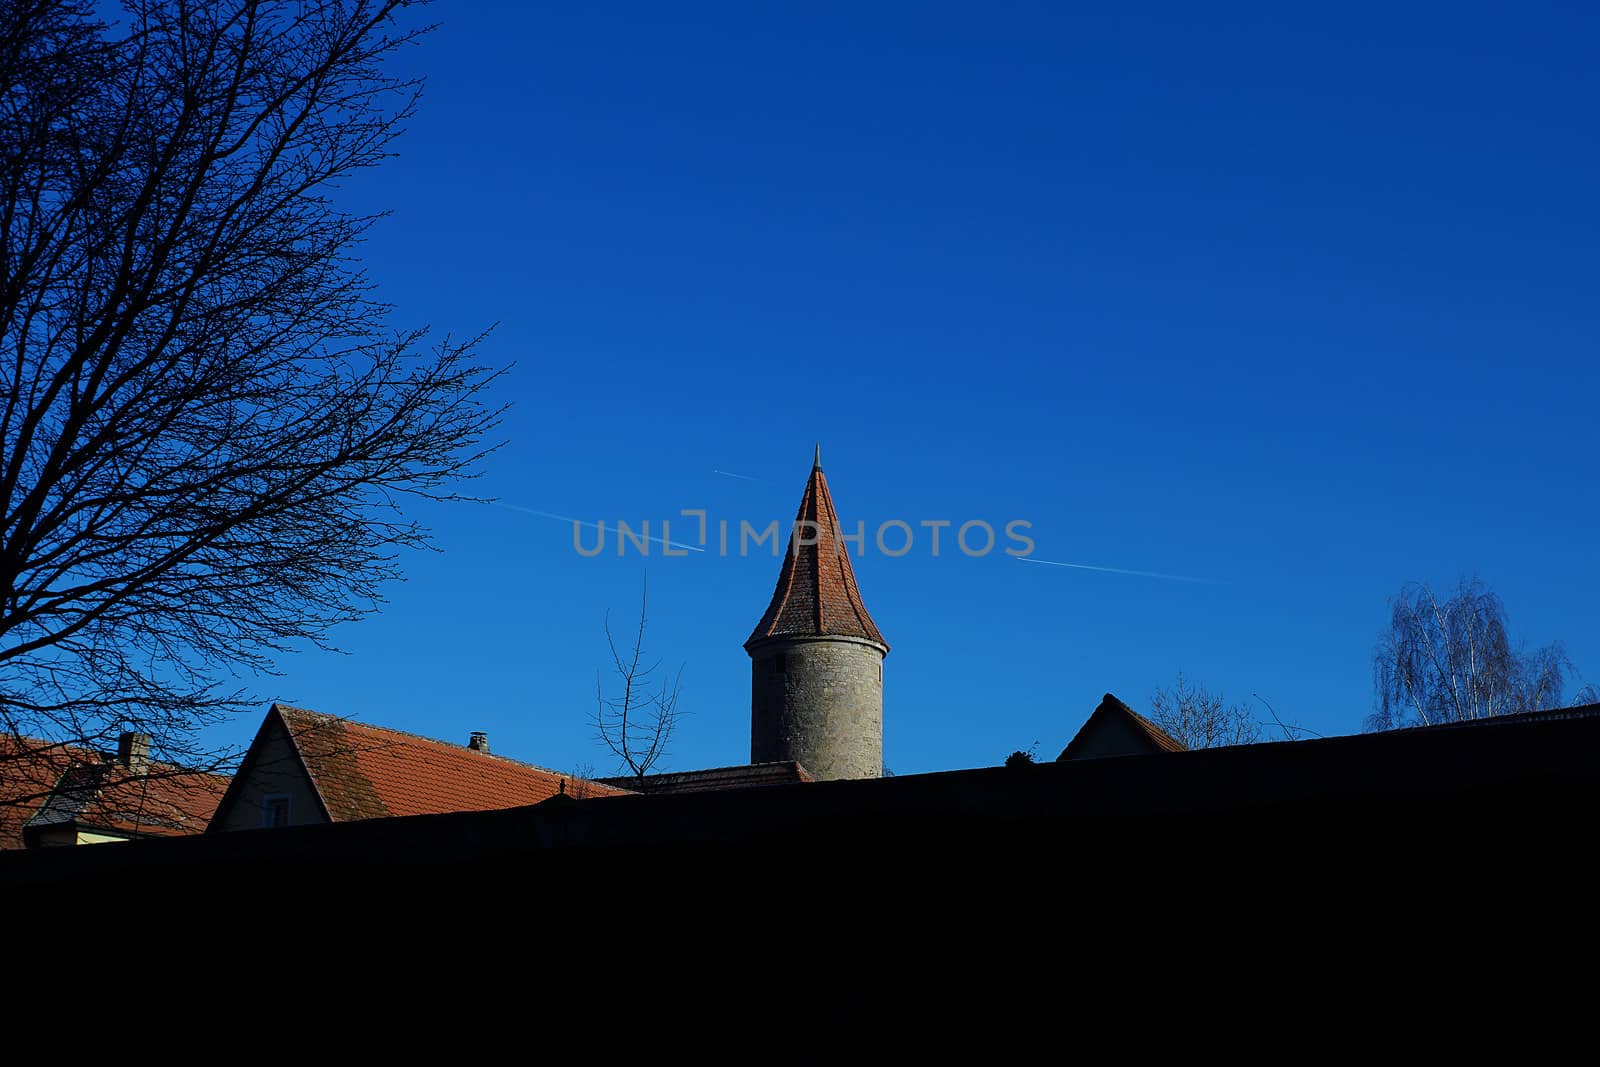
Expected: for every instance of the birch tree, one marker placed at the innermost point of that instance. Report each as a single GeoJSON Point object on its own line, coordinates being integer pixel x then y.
{"type": "Point", "coordinates": [1452, 660]}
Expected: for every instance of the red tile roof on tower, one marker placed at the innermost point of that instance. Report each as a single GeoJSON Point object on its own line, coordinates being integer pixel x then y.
{"type": "Point", "coordinates": [369, 772]}
{"type": "Point", "coordinates": [817, 595]}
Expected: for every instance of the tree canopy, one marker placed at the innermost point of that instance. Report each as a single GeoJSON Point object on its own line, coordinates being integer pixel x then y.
{"type": "Point", "coordinates": [209, 425]}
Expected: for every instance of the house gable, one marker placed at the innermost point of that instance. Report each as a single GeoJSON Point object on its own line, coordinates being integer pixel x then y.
{"type": "Point", "coordinates": [333, 769]}
{"type": "Point", "coordinates": [273, 769]}
{"type": "Point", "coordinates": [1117, 730]}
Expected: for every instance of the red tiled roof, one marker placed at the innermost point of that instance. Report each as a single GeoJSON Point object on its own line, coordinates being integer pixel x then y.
{"type": "Point", "coordinates": [61, 785]}
{"type": "Point", "coordinates": [817, 594]}
{"type": "Point", "coordinates": [715, 779]}
{"type": "Point", "coordinates": [29, 770]}
{"type": "Point", "coordinates": [369, 772]}
{"type": "Point", "coordinates": [166, 801]}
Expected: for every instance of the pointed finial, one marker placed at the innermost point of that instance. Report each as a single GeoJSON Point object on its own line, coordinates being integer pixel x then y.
{"type": "Point", "coordinates": [816, 461]}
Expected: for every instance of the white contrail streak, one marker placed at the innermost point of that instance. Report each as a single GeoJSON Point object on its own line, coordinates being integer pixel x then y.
{"type": "Point", "coordinates": [1116, 570]}
{"type": "Point", "coordinates": [590, 525]}
{"type": "Point", "coordinates": [741, 477]}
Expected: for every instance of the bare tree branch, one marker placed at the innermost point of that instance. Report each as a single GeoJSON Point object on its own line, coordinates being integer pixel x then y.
{"type": "Point", "coordinates": [210, 427]}
{"type": "Point", "coordinates": [1292, 731]}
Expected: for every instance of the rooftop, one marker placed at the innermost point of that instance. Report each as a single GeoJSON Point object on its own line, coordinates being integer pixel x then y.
{"type": "Point", "coordinates": [44, 784]}
{"type": "Point", "coordinates": [816, 594]}
{"type": "Point", "coordinates": [369, 772]}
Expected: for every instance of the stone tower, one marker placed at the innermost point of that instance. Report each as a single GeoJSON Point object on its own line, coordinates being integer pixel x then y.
{"type": "Point", "coordinates": [816, 657]}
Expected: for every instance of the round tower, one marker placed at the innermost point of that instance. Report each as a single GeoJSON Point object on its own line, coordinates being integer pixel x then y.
{"type": "Point", "coordinates": [816, 657]}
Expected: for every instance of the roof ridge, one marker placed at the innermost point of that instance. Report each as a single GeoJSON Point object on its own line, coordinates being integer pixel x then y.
{"type": "Point", "coordinates": [446, 745]}
{"type": "Point", "coordinates": [820, 495]}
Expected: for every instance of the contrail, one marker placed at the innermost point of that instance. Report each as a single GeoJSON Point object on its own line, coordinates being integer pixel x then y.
{"type": "Point", "coordinates": [591, 525]}
{"type": "Point", "coordinates": [1117, 570]}
{"type": "Point", "coordinates": [741, 477]}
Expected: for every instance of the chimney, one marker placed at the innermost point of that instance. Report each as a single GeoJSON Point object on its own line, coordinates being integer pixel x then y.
{"type": "Point", "coordinates": [133, 752]}
{"type": "Point", "coordinates": [479, 742]}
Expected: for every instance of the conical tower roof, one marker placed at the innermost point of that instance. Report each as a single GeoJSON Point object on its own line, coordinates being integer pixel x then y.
{"type": "Point", "coordinates": [817, 595]}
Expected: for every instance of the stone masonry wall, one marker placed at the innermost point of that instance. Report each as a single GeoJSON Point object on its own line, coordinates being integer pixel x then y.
{"type": "Point", "coordinates": [824, 708]}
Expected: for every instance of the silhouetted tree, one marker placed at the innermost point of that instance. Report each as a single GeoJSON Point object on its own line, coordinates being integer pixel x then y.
{"type": "Point", "coordinates": [209, 426]}
{"type": "Point", "coordinates": [1452, 660]}
{"type": "Point", "coordinates": [637, 722]}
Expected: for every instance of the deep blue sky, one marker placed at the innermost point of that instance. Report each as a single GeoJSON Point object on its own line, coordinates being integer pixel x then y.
{"type": "Point", "coordinates": [1300, 302]}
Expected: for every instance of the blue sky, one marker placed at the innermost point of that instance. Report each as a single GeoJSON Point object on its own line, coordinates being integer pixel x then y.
{"type": "Point", "coordinates": [1299, 302]}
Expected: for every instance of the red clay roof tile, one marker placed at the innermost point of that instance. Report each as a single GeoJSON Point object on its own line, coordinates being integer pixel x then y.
{"type": "Point", "coordinates": [68, 784]}
{"type": "Point", "coordinates": [29, 770]}
{"type": "Point", "coordinates": [368, 772]}
{"type": "Point", "coordinates": [167, 801]}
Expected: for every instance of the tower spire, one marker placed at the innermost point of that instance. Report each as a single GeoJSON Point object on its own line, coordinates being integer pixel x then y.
{"type": "Point", "coordinates": [817, 595]}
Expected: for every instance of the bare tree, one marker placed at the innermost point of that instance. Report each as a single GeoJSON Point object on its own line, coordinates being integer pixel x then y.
{"type": "Point", "coordinates": [1452, 660]}
{"type": "Point", "coordinates": [636, 723]}
{"type": "Point", "coordinates": [1197, 718]}
{"type": "Point", "coordinates": [209, 425]}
